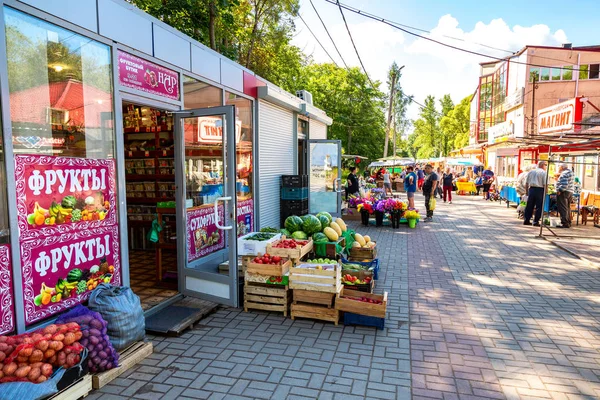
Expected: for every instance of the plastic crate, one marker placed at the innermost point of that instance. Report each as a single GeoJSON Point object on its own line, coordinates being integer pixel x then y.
{"type": "Point", "coordinates": [291, 193]}
{"type": "Point", "coordinates": [293, 207]}
{"type": "Point", "coordinates": [370, 264]}
{"type": "Point", "coordinates": [363, 320]}
{"type": "Point", "coordinates": [295, 181]}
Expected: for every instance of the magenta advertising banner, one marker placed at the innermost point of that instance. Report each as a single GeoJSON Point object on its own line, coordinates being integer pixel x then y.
{"type": "Point", "coordinates": [57, 195]}
{"type": "Point", "coordinates": [245, 217]}
{"type": "Point", "coordinates": [7, 305]}
{"type": "Point", "coordinates": [203, 237]}
{"type": "Point", "coordinates": [137, 73]}
{"type": "Point", "coordinates": [60, 271]}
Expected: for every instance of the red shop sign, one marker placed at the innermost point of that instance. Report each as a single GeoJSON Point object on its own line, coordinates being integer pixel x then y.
{"type": "Point", "coordinates": [137, 73]}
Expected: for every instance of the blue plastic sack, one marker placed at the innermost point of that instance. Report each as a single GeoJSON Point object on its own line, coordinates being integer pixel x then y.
{"type": "Point", "coordinates": [122, 310]}
{"type": "Point", "coordinates": [31, 391]}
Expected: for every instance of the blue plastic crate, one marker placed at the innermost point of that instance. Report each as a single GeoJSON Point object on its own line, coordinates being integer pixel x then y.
{"type": "Point", "coordinates": [293, 193]}
{"type": "Point", "coordinates": [370, 264]}
{"type": "Point", "coordinates": [363, 320]}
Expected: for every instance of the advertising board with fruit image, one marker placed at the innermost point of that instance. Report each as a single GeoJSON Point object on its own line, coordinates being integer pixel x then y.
{"type": "Point", "coordinates": [61, 194]}
{"type": "Point", "coordinates": [203, 237]}
{"type": "Point", "coordinates": [245, 217]}
{"type": "Point", "coordinates": [61, 270]}
{"type": "Point", "coordinates": [7, 309]}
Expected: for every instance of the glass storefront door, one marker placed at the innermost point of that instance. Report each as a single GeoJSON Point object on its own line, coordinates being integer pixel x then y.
{"type": "Point", "coordinates": [325, 176]}
{"type": "Point", "coordinates": [205, 173]}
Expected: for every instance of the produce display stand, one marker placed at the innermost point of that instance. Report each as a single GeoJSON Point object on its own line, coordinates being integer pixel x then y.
{"type": "Point", "coordinates": [360, 312]}
{"type": "Point", "coordinates": [127, 359]}
{"type": "Point", "coordinates": [314, 291]}
{"type": "Point", "coordinates": [324, 280]}
{"type": "Point", "coordinates": [263, 296]}
{"type": "Point", "coordinates": [293, 254]}
{"type": "Point", "coordinates": [312, 311]}
{"type": "Point", "coordinates": [312, 297]}
{"type": "Point", "coordinates": [360, 254]}
{"type": "Point", "coordinates": [77, 390]}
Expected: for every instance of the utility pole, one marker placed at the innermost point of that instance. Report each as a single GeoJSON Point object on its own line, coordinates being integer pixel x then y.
{"type": "Point", "coordinates": [390, 108]}
{"type": "Point", "coordinates": [533, 106]}
{"type": "Point", "coordinates": [394, 136]}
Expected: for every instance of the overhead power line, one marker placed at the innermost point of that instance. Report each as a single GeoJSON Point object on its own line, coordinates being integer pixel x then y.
{"type": "Point", "coordinates": [393, 25]}
{"type": "Point", "coordinates": [324, 49]}
{"type": "Point", "coordinates": [326, 30]}
{"type": "Point", "coordinates": [353, 45]}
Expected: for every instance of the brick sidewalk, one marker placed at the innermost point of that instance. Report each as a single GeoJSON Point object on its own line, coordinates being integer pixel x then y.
{"type": "Point", "coordinates": [495, 313]}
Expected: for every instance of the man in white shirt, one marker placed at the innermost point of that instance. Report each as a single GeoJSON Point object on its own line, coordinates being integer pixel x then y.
{"type": "Point", "coordinates": [534, 185]}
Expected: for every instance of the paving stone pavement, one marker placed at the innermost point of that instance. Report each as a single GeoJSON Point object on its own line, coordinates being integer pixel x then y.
{"type": "Point", "coordinates": [494, 313]}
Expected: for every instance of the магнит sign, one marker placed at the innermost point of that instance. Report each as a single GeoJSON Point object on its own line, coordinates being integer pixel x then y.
{"type": "Point", "coordinates": [137, 73]}
{"type": "Point", "coordinates": [60, 271]}
{"type": "Point", "coordinates": [560, 117]}
{"type": "Point", "coordinates": [62, 194]}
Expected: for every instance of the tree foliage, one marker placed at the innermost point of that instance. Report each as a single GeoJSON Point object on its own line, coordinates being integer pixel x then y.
{"type": "Point", "coordinates": [455, 124]}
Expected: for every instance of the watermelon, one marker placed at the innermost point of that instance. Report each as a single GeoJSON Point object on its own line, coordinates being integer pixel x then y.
{"type": "Point", "coordinates": [311, 224]}
{"type": "Point", "coordinates": [293, 223]}
{"type": "Point", "coordinates": [329, 217]}
{"type": "Point", "coordinates": [285, 232]}
{"type": "Point", "coordinates": [324, 221]}
{"type": "Point", "coordinates": [320, 238]}
{"type": "Point", "coordinates": [299, 235]}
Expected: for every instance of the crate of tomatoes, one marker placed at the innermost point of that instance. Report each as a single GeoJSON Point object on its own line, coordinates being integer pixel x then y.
{"type": "Point", "coordinates": [290, 248]}
{"type": "Point", "coordinates": [269, 265]}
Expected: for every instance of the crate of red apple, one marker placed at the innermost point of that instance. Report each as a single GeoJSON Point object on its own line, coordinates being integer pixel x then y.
{"type": "Point", "coordinates": [269, 265]}
{"type": "Point", "coordinates": [354, 301]}
{"type": "Point", "coordinates": [290, 248]}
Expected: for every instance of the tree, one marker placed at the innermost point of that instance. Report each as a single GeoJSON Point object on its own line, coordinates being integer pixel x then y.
{"type": "Point", "coordinates": [456, 123]}
{"type": "Point", "coordinates": [427, 139]}
{"type": "Point", "coordinates": [447, 138]}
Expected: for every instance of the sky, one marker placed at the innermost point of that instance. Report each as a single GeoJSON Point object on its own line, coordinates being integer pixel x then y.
{"type": "Point", "coordinates": [430, 68]}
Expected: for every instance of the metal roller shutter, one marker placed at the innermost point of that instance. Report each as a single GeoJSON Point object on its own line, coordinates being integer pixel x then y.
{"type": "Point", "coordinates": [317, 130]}
{"type": "Point", "coordinates": [275, 156]}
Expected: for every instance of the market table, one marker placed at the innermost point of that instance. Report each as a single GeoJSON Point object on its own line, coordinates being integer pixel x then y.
{"type": "Point", "coordinates": [509, 194]}
{"type": "Point", "coordinates": [466, 187]}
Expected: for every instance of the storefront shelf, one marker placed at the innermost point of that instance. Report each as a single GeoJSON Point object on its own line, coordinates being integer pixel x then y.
{"type": "Point", "coordinates": [153, 177]}
{"type": "Point", "coordinates": [146, 200]}
{"type": "Point", "coordinates": [162, 128]}
{"type": "Point", "coordinates": [149, 154]}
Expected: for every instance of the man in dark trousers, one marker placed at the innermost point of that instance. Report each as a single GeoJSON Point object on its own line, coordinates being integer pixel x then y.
{"type": "Point", "coordinates": [352, 187]}
{"type": "Point", "coordinates": [565, 186]}
{"type": "Point", "coordinates": [536, 181]}
{"type": "Point", "coordinates": [429, 186]}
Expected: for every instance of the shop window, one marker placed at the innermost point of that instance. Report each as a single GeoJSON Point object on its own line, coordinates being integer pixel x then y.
{"type": "Point", "coordinates": [198, 94]}
{"type": "Point", "coordinates": [60, 86]}
{"type": "Point", "coordinates": [584, 71]}
{"type": "Point", "coordinates": [594, 71]}
{"type": "Point", "coordinates": [534, 74]}
{"type": "Point", "coordinates": [244, 139]}
{"type": "Point", "coordinates": [4, 230]}
{"type": "Point", "coordinates": [556, 72]}
{"type": "Point", "coordinates": [567, 73]}
{"type": "Point", "coordinates": [545, 74]}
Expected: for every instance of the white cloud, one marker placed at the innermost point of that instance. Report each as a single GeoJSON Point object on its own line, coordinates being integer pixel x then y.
{"type": "Point", "coordinates": [430, 68]}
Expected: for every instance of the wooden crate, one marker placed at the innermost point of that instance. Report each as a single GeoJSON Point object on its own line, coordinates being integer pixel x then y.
{"type": "Point", "coordinates": [127, 359]}
{"type": "Point", "coordinates": [315, 312]}
{"type": "Point", "coordinates": [77, 390]}
{"type": "Point", "coordinates": [294, 254]}
{"type": "Point", "coordinates": [329, 249]}
{"type": "Point", "coordinates": [268, 269]}
{"type": "Point", "coordinates": [360, 254]}
{"type": "Point", "coordinates": [360, 307]}
{"type": "Point", "coordinates": [351, 214]}
{"type": "Point", "coordinates": [312, 297]}
{"type": "Point", "coordinates": [316, 280]}
{"type": "Point", "coordinates": [361, 287]}
{"type": "Point", "coordinates": [266, 297]}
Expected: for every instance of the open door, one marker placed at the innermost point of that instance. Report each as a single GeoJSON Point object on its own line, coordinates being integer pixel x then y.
{"type": "Point", "coordinates": [205, 174]}
{"type": "Point", "coordinates": [325, 176]}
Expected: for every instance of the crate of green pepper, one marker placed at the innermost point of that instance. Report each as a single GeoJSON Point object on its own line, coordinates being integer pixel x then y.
{"type": "Point", "coordinates": [255, 243]}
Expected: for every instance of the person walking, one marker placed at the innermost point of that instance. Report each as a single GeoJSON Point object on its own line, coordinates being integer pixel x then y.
{"type": "Point", "coordinates": [420, 177]}
{"type": "Point", "coordinates": [429, 186]}
{"type": "Point", "coordinates": [438, 190]}
{"type": "Point", "coordinates": [488, 180]}
{"type": "Point", "coordinates": [536, 181]}
{"type": "Point", "coordinates": [387, 183]}
{"type": "Point", "coordinates": [565, 186]}
{"type": "Point", "coordinates": [522, 180]}
{"type": "Point", "coordinates": [410, 186]}
{"type": "Point", "coordinates": [352, 187]}
{"type": "Point", "coordinates": [478, 182]}
{"type": "Point", "coordinates": [447, 180]}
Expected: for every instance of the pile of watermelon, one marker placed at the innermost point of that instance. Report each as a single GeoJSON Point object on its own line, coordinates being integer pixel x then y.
{"type": "Point", "coordinates": [321, 227]}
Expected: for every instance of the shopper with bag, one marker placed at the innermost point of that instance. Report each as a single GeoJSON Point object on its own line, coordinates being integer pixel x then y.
{"type": "Point", "coordinates": [429, 186]}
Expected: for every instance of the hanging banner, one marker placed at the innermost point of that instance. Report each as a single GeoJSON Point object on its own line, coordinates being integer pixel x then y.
{"type": "Point", "coordinates": [57, 195]}
{"type": "Point", "coordinates": [560, 117]}
{"type": "Point", "coordinates": [245, 217]}
{"type": "Point", "coordinates": [61, 270]}
{"type": "Point", "coordinates": [7, 305]}
{"type": "Point", "coordinates": [202, 235]}
{"type": "Point", "coordinates": [137, 73]}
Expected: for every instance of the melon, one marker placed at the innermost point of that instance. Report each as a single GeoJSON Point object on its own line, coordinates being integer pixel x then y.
{"type": "Point", "coordinates": [342, 224]}
{"type": "Point", "coordinates": [331, 234]}
{"type": "Point", "coordinates": [360, 239]}
{"type": "Point", "coordinates": [293, 223]}
{"type": "Point", "coordinates": [367, 238]}
{"type": "Point", "coordinates": [356, 245]}
{"type": "Point", "coordinates": [326, 214]}
{"type": "Point", "coordinates": [320, 238]}
{"type": "Point", "coordinates": [336, 228]}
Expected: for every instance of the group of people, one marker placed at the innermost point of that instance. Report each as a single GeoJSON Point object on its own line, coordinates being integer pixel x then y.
{"type": "Point", "coordinates": [532, 183]}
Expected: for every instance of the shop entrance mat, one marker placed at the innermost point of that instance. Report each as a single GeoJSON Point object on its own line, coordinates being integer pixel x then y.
{"type": "Point", "coordinates": [174, 319]}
